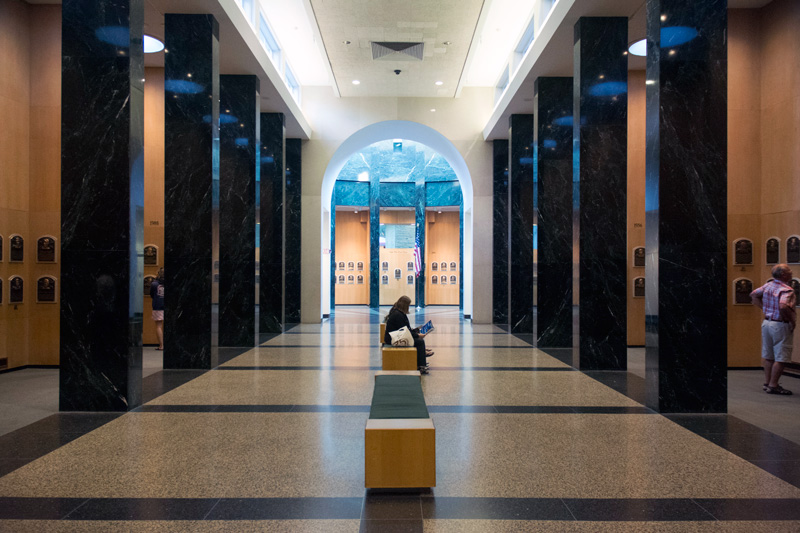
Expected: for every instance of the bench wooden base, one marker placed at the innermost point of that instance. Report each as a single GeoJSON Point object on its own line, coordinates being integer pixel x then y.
{"type": "Point", "coordinates": [399, 358]}
{"type": "Point", "coordinates": [383, 333]}
{"type": "Point", "coordinates": [400, 453]}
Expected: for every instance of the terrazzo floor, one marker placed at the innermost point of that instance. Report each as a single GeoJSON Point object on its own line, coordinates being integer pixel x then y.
{"type": "Point", "coordinates": [273, 440]}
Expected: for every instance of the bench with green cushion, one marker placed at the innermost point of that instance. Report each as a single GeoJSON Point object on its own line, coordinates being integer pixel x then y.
{"type": "Point", "coordinates": [399, 439]}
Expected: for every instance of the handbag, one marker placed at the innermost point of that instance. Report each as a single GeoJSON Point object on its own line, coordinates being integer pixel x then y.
{"type": "Point", "coordinates": [402, 337]}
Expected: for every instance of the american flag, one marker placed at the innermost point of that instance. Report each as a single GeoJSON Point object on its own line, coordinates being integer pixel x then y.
{"type": "Point", "coordinates": [417, 257]}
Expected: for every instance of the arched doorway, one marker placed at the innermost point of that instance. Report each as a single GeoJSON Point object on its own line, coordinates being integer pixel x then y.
{"type": "Point", "coordinates": [381, 131]}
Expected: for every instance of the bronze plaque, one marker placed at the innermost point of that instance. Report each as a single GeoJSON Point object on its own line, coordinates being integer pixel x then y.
{"type": "Point", "coordinates": [351, 265]}
{"type": "Point", "coordinates": [341, 280]}
{"type": "Point", "coordinates": [397, 273]}
{"type": "Point", "coordinates": [410, 266]}
{"type": "Point", "coordinates": [443, 279]}
{"type": "Point", "coordinates": [148, 280]}
{"type": "Point", "coordinates": [638, 288]}
{"type": "Point", "coordinates": [15, 289]}
{"type": "Point", "coordinates": [410, 279]}
{"type": "Point", "coordinates": [1, 247]}
{"type": "Point", "coordinates": [434, 266]}
{"type": "Point", "coordinates": [434, 279]}
{"type": "Point", "coordinates": [638, 256]}
{"type": "Point", "coordinates": [773, 251]}
{"type": "Point", "coordinates": [1, 291]}
{"type": "Point", "coordinates": [360, 265]}
{"type": "Point", "coordinates": [453, 280]}
{"type": "Point", "coordinates": [341, 265]}
{"type": "Point", "coordinates": [743, 252]}
{"type": "Point", "coordinates": [385, 279]}
{"type": "Point", "coordinates": [443, 266]}
{"type": "Point", "coordinates": [742, 289]}
{"type": "Point", "coordinates": [453, 266]}
{"type": "Point", "coordinates": [151, 255]}
{"type": "Point", "coordinates": [46, 289]}
{"type": "Point", "coordinates": [793, 249]}
{"type": "Point", "coordinates": [360, 279]}
{"type": "Point", "coordinates": [385, 265]}
{"type": "Point", "coordinates": [351, 279]}
{"type": "Point", "coordinates": [46, 250]}
{"type": "Point", "coordinates": [17, 249]}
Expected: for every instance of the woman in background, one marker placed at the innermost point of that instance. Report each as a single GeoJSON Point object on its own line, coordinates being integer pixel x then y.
{"type": "Point", "coordinates": [396, 319]}
{"type": "Point", "coordinates": [157, 294]}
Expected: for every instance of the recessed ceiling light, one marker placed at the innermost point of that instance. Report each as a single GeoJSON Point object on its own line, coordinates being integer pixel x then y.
{"type": "Point", "coordinates": [439, 83]}
{"type": "Point", "coordinates": [638, 48]}
{"type": "Point", "coordinates": [672, 52]}
{"type": "Point", "coordinates": [152, 45]}
{"type": "Point", "coordinates": [663, 18]}
{"type": "Point", "coordinates": [447, 43]}
{"type": "Point", "coordinates": [433, 111]}
{"type": "Point", "coordinates": [345, 42]}
{"type": "Point", "coordinates": [650, 82]}
{"type": "Point", "coordinates": [356, 82]}
{"type": "Point", "coordinates": [363, 176]}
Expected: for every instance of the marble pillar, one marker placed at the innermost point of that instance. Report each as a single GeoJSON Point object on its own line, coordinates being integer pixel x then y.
{"type": "Point", "coordinates": [239, 142]}
{"type": "Point", "coordinates": [291, 280]}
{"type": "Point", "coordinates": [191, 190]}
{"type": "Point", "coordinates": [102, 205]}
{"type": "Point", "coordinates": [500, 231]}
{"type": "Point", "coordinates": [374, 240]}
{"type": "Point", "coordinates": [273, 175]}
{"type": "Point", "coordinates": [421, 206]}
{"type": "Point", "coordinates": [520, 202]}
{"type": "Point", "coordinates": [686, 206]}
{"type": "Point", "coordinates": [553, 180]}
{"type": "Point", "coordinates": [600, 168]}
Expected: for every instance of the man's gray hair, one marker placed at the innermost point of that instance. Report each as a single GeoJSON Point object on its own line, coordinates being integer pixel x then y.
{"type": "Point", "coordinates": [779, 270]}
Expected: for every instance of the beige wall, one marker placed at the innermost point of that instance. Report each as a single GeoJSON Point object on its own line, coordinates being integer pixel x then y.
{"type": "Point", "coordinates": [333, 120]}
{"type": "Point", "coordinates": [636, 190]}
{"type": "Point", "coordinates": [30, 166]}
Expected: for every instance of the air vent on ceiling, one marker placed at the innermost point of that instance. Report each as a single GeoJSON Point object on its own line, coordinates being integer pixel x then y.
{"type": "Point", "coordinates": [392, 51]}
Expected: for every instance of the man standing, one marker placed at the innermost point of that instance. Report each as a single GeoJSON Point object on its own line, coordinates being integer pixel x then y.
{"type": "Point", "coordinates": [777, 299]}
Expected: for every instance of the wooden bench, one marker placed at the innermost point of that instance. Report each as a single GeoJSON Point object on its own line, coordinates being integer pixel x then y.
{"type": "Point", "coordinates": [396, 358]}
{"type": "Point", "coordinates": [399, 438]}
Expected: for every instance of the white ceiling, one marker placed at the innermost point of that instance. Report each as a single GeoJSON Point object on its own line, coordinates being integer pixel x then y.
{"type": "Point", "coordinates": [362, 21]}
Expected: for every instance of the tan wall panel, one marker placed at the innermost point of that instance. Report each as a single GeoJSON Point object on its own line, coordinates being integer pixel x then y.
{"type": "Point", "coordinates": [15, 51]}
{"type": "Point", "coordinates": [395, 288]}
{"type": "Point", "coordinates": [442, 240]}
{"type": "Point", "coordinates": [636, 194]}
{"type": "Point", "coordinates": [352, 244]}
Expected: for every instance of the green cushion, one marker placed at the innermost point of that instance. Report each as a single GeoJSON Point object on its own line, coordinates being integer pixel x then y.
{"type": "Point", "coordinates": [398, 397]}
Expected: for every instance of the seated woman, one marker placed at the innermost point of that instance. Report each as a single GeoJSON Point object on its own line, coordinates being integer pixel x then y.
{"type": "Point", "coordinates": [395, 320]}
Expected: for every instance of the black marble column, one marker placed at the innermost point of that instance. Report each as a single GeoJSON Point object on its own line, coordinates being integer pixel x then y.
{"type": "Point", "coordinates": [600, 150]}
{"type": "Point", "coordinates": [191, 190]}
{"type": "Point", "coordinates": [102, 123]}
{"type": "Point", "coordinates": [686, 204]}
{"type": "Point", "coordinates": [292, 232]}
{"type": "Point", "coordinates": [273, 175]}
{"type": "Point", "coordinates": [239, 141]}
{"type": "Point", "coordinates": [520, 202]}
{"type": "Point", "coordinates": [500, 235]}
{"type": "Point", "coordinates": [553, 171]}
{"type": "Point", "coordinates": [374, 240]}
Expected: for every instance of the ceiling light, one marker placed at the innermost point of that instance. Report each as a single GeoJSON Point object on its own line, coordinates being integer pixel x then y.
{"type": "Point", "coordinates": [356, 82]}
{"type": "Point", "coordinates": [663, 18]}
{"type": "Point", "coordinates": [439, 83]}
{"type": "Point", "coordinates": [638, 48]}
{"type": "Point", "coordinates": [152, 45]}
{"type": "Point", "coordinates": [347, 42]}
{"type": "Point", "coordinates": [364, 176]}
{"type": "Point", "coordinates": [447, 43]}
{"type": "Point", "coordinates": [433, 111]}
{"type": "Point", "coordinates": [650, 82]}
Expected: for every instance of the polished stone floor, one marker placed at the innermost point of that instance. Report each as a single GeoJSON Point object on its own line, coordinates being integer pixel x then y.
{"type": "Point", "coordinates": [273, 440]}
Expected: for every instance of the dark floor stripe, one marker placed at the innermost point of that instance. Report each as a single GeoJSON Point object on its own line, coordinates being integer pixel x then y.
{"type": "Point", "coordinates": [433, 368]}
{"type": "Point", "coordinates": [463, 409]}
{"type": "Point", "coordinates": [432, 345]}
{"type": "Point", "coordinates": [379, 506]}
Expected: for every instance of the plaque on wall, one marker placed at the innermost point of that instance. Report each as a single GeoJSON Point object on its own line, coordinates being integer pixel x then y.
{"type": "Point", "coordinates": [46, 249]}
{"type": "Point", "coordinates": [434, 280]}
{"type": "Point", "coordinates": [742, 252]}
{"type": "Point", "coordinates": [793, 249]}
{"type": "Point", "coordinates": [773, 250]}
{"type": "Point", "coordinates": [216, 265]}
{"type": "Point", "coordinates": [453, 280]}
{"type": "Point", "coordinates": [385, 279]}
{"type": "Point", "coordinates": [410, 279]}
{"type": "Point", "coordinates": [341, 279]}
{"type": "Point", "coordinates": [1, 290]}
{"type": "Point", "coordinates": [360, 266]}
{"type": "Point", "coordinates": [341, 265]}
{"type": "Point", "coordinates": [795, 283]}
{"type": "Point", "coordinates": [638, 287]}
{"type": "Point", "coordinates": [453, 266]}
{"type": "Point", "coordinates": [360, 279]}
{"type": "Point", "coordinates": [434, 266]}
{"type": "Point", "coordinates": [385, 265]}
{"type": "Point", "coordinates": [17, 253]}
{"type": "Point", "coordinates": [443, 266]}
{"type": "Point", "coordinates": [148, 280]}
{"type": "Point", "coordinates": [1, 247]}
{"type": "Point", "coordinates": [151, 255]}
{"type": "Point", "coordinates": [216, 278]}
{"type": "Point", "coordinates": [15, 290]}
{"type": "Point", "coordinates": [410, 266]}
{"type": "Point", "coordinates": [351, 265]}
{"type": "Point", "coordinates": [742, 288]}
{"type": "Point", "coordinates": [397, 273]}
{"type": "Point", "coordinates": [638, 256]}
{"type": "Point", "coordinates": [351, 279]}
{"type": "Point", "coordinates": [46, 289]}
{"type": "Point", "coordinates": [443, 279]}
